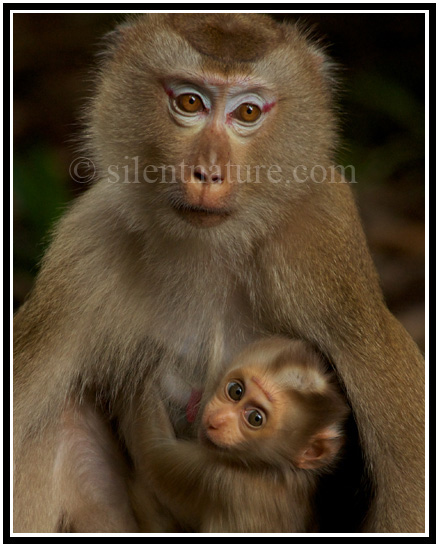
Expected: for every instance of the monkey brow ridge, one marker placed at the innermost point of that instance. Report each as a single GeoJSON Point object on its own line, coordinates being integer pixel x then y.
{"type": "Point", "coordinates": [257, 381]}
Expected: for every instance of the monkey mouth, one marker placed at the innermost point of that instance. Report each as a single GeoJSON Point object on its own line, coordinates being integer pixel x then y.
{"type": "Point", "coordinates": [199, 216]}
{"type": "Point", "coordinates": [206, 440]}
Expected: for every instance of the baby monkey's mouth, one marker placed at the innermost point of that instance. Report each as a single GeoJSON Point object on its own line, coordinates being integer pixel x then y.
{"type": "Point", "coordinates": [203, 438]}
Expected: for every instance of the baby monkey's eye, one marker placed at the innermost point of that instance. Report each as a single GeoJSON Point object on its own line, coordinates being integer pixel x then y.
{"type": "Point", "coordinates": [235, 390]}
{"type": "Point", "coordinates": [189, 102]}
{"type": "Point", "coordinates": [247, 113]}
{"type": "Point", "coordinates": [254, 417]}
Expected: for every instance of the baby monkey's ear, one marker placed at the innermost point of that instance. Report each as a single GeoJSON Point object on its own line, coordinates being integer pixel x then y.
{"type": "Point", "coordinates": [321, 449]}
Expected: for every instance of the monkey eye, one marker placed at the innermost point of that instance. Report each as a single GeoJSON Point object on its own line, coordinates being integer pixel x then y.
{"type": "Point", "coordinates": [254, 417]}
{"type": "Point", "coordinates": [247, 112]}
{"type": "Point", "coordinates": [190, 103]}
{"type": "Point", "coordinates": [235, 390]}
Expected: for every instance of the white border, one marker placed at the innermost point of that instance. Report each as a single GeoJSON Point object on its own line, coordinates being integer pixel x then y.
{"type": "Point", "coordinates": [246, 535]}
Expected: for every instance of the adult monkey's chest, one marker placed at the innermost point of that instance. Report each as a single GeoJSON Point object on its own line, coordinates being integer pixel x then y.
{"type": "Point", "coordinates": [198, 349]}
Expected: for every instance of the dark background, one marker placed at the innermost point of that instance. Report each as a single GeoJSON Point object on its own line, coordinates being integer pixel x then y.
{"type": "Point", "coordinates": [382, 73]}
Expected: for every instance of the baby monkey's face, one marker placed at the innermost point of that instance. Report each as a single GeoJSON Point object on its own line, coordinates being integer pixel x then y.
{"type": "Point", "coordinates": [247, 405]}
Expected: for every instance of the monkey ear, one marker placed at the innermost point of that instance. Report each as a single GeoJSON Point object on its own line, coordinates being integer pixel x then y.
{"type": "Point", "coordinates": [325, 65]}
{"type": "Point", "coordinates": [113, 39]}
{"type": "Point", "coordinates": [321, 449]}
{"type": "Point", "coordinates": [319, 57]}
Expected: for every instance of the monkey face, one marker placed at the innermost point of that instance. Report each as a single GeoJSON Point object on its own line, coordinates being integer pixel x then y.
{"type": "Point", "coordinates": [246, 408]}
{"type": "Point", "coordinates": [209, 130]}
{"type": "Point", "coordinates": [215, 119]}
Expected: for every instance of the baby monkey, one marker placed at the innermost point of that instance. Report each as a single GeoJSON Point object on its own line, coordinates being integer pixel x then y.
{"type": "Point", "coordinates": [265, 431]}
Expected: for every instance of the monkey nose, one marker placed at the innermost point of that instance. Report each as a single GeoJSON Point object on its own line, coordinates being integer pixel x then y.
{"type": "Point", "coordinates": [215, 421]}
{"type": "Point", "coordinates": [214, 424]}
{"type": "Point", "coordinates": [205, 176]}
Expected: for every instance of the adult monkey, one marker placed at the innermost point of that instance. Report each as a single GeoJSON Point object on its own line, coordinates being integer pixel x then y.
{"type": "Point", "coordinates": [145, 278]}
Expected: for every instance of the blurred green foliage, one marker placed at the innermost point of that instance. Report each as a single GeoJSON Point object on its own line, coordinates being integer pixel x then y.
{"type": "Point", "coordinates": [39, 196]}
{"type": "Point", "coordinates": [39, 191]}
{"type": "Point", "coordinates": [378, 101]}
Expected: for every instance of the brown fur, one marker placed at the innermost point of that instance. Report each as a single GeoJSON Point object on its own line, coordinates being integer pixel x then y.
{"type": "Point", "coordinates": [206, 486]}
{"type": "Point", "coordinates": [129, 290]}
{"type": "Point", "coordinates": [240, 38]}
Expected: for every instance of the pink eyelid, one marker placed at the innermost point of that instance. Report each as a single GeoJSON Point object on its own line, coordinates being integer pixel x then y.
{"type": "Point", "coordinates": [267, 107]}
